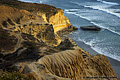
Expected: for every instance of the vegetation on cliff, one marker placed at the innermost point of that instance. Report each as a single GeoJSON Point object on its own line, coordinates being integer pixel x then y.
{"type": "Point", "coordinates": [32, 7]}
{"type": "Point", "coordinates": [7, 42]}
{"type": "Point", "coordinates": [30, 42]}
{"type": "Point", "coordinates": [9, 16]}
{"type": "Point", "coordinates": [4, 75]}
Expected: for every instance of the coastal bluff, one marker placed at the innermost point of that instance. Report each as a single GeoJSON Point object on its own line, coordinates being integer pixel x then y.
{"type": "Point", "coordinates": [32, 46]}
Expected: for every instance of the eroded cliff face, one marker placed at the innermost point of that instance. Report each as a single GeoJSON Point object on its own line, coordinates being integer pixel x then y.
{"type": "Point", "coordinates": [45, 32]}
{"type": "Point", "coordinates": [7, 41]}
{"type": "Point", "coordinates": [70, 65]}
{"type": "Point", "coordinates": [25, 22]}
{"type": "Point", "coordinates": [29, 42]}
{"type": "Point", "coordinates": [99, 66]}
{"type": "Point", "coordinates": [65, 65]}
{"type": "Point", "coordinates": [10, 17]}
{"type": "Point", "coordinates": [58, 20]}
{"type": "Point", "coordinates": [49, 14]}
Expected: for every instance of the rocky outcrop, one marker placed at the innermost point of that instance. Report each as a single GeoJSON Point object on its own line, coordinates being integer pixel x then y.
{"type": "Point", "coordinates": [99, 67]}
{"type": "Point", "coordinates": [28, 35]}
{"type": "Point", "coordinates": [66, 44]}
{"type": "Point", "coordinates": [58, 20]}
{"type": "Point", "coordinates": [45, 32]}
{"type": "Point", "coordinates": [9, 16]}
{"type": "Point", "coordinates": [7, 41]}
{"type": "Point", "coordinates": [50, 14]}
{"type": "Point", "coordinates": [65, 30]}
{"type": "Point", "coordinates": [93, 28]}
{"type": "Point", "coordinates": [70, 65]}
{"type": "Point", "coordinates": [59, 66]}
{"type": "Point", "coordinates": [25, 22]}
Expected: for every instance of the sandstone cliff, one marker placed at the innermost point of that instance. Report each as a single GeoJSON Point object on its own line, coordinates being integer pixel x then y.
{"type": "Point", "coordinates": [70, 65]}
{"type": "Point", "coordinates": [58, 20]}
{"type": "Point", "coordinates": [45, 32]}
{"type": "Point", "coordinates": [50, 14]}
{"type": "Point", "coordinates": [98, 66]}
{"type": "Point", "coordinates": [30, 43]}
{"type": "Point", "coordinates": [9, 16]}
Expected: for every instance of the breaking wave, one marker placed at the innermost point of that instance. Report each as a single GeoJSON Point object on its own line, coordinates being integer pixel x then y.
{"type": "Point", "coordinates": [35, 1]}
{"type": "Point", "coordinates": [108, 28]}
{"type": "Point", "coordinates": [104, 8]}
{"type": "Point", "coordinates": [110, 3]}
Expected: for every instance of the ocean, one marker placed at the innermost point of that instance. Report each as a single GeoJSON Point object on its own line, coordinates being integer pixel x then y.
{"type": "Point", "coordinates": [102, 13]}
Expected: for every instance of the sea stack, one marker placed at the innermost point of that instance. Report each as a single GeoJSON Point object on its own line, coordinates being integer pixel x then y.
{"type": "Point", "coordinates": [31, 47]}
{"type": "Point", "coordinates": [91, 28]}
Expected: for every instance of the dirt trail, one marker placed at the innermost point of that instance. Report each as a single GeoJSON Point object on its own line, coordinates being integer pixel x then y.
{"type": "Point", "coordinates": [19, 40]}
{"type": "Point", "coordinates": [39, 20]}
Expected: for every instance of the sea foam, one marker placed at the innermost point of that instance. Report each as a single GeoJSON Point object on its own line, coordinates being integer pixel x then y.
{"type": "Point", "coordinates": [105, 27]}
{"type": "Point", "coordinates": [110, 3]}
{"type": "Point", "coordinates": [35, 1]}
{"type": "Point", "coordinates": [101, 7]}
{"type": "Point", "coordinates": [92, 43]}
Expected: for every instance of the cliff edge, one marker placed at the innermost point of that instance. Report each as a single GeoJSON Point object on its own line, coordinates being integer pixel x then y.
{"type": "Point", "coordinates": [30, 45]}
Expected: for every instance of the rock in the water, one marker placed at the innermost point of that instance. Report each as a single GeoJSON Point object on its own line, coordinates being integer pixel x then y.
{"type": "Point", "coordinates": [66, 30]}
{"type": "Point", "coordinates": [94, 28]}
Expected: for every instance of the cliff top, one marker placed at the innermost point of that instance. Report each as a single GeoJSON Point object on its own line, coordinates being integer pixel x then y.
{"type": "Point", "coordinates": [32, 46]}
{"type": "Point", "coordinates": [32, 7]}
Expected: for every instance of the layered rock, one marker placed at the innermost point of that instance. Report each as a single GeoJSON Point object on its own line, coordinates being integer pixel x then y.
{"type": "Point", "coordinates": [70, 65]}
{"type": "Point", "coordinates": [64, 65]}
{"type": "Point", "coordinates": [58, 20]}
{"type": "Point", "coordinates": [37, 50]}
{"type": "Point", "coordinates": [45, 32]}
{"type": "Point", "coordinates": [65, 30]}
{"type": "Point", "coordinates": [50, 14]}
{"type": "Point", "coordinates": [98, 67]}
{"type": "Point", "coordinates": [22, 20]}
{"type": "Point", "coordinates": [9, 16]}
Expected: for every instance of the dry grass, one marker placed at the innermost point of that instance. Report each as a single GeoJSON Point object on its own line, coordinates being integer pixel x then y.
{"type": "Point", "coordinates": [10, 16]}
{"type": "Point", "coordinates": [32, 7]}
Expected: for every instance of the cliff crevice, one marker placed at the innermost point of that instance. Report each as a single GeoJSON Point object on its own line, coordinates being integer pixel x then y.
{"type": "Point", "coordinates": [30, 41]}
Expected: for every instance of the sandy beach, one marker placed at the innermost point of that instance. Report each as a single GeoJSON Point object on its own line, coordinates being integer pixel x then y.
{"type": "Point", "coordinates": [114, 63]}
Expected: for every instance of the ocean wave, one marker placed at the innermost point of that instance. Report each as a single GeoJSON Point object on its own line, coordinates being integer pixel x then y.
{"type": "Point", "coordinates": [26, 1]}
{"type": "Point", "coordinates": [92, 43]}
{"type": "Point", "coordinates": [110, 11]}
{"type": "Point", "coordinates": [110, 3]}
{"type": "Point", "coordinates": [104, 8]}
{"type": "Point", "coordinates": [35, 1]}
{"type": "Point", "coordinates": [102, 51]}
{"type": "Point", "coordinates": [105, 27]}
{"type": "Point", "coordinates": [108, 28]}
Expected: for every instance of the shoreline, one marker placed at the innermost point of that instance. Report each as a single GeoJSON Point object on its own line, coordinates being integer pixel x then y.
{"type": "Point", "coordinates": [114, 63]}
{"type": "Point", "coordinates": [44, 42]}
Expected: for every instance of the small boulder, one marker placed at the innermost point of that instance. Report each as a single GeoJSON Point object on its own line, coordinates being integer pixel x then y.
{"type": "Point", "coordinates": [92, 28]}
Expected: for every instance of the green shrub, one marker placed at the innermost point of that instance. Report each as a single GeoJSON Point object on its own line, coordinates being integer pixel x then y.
{"type": "Point", "coordinates": [4, 75]}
